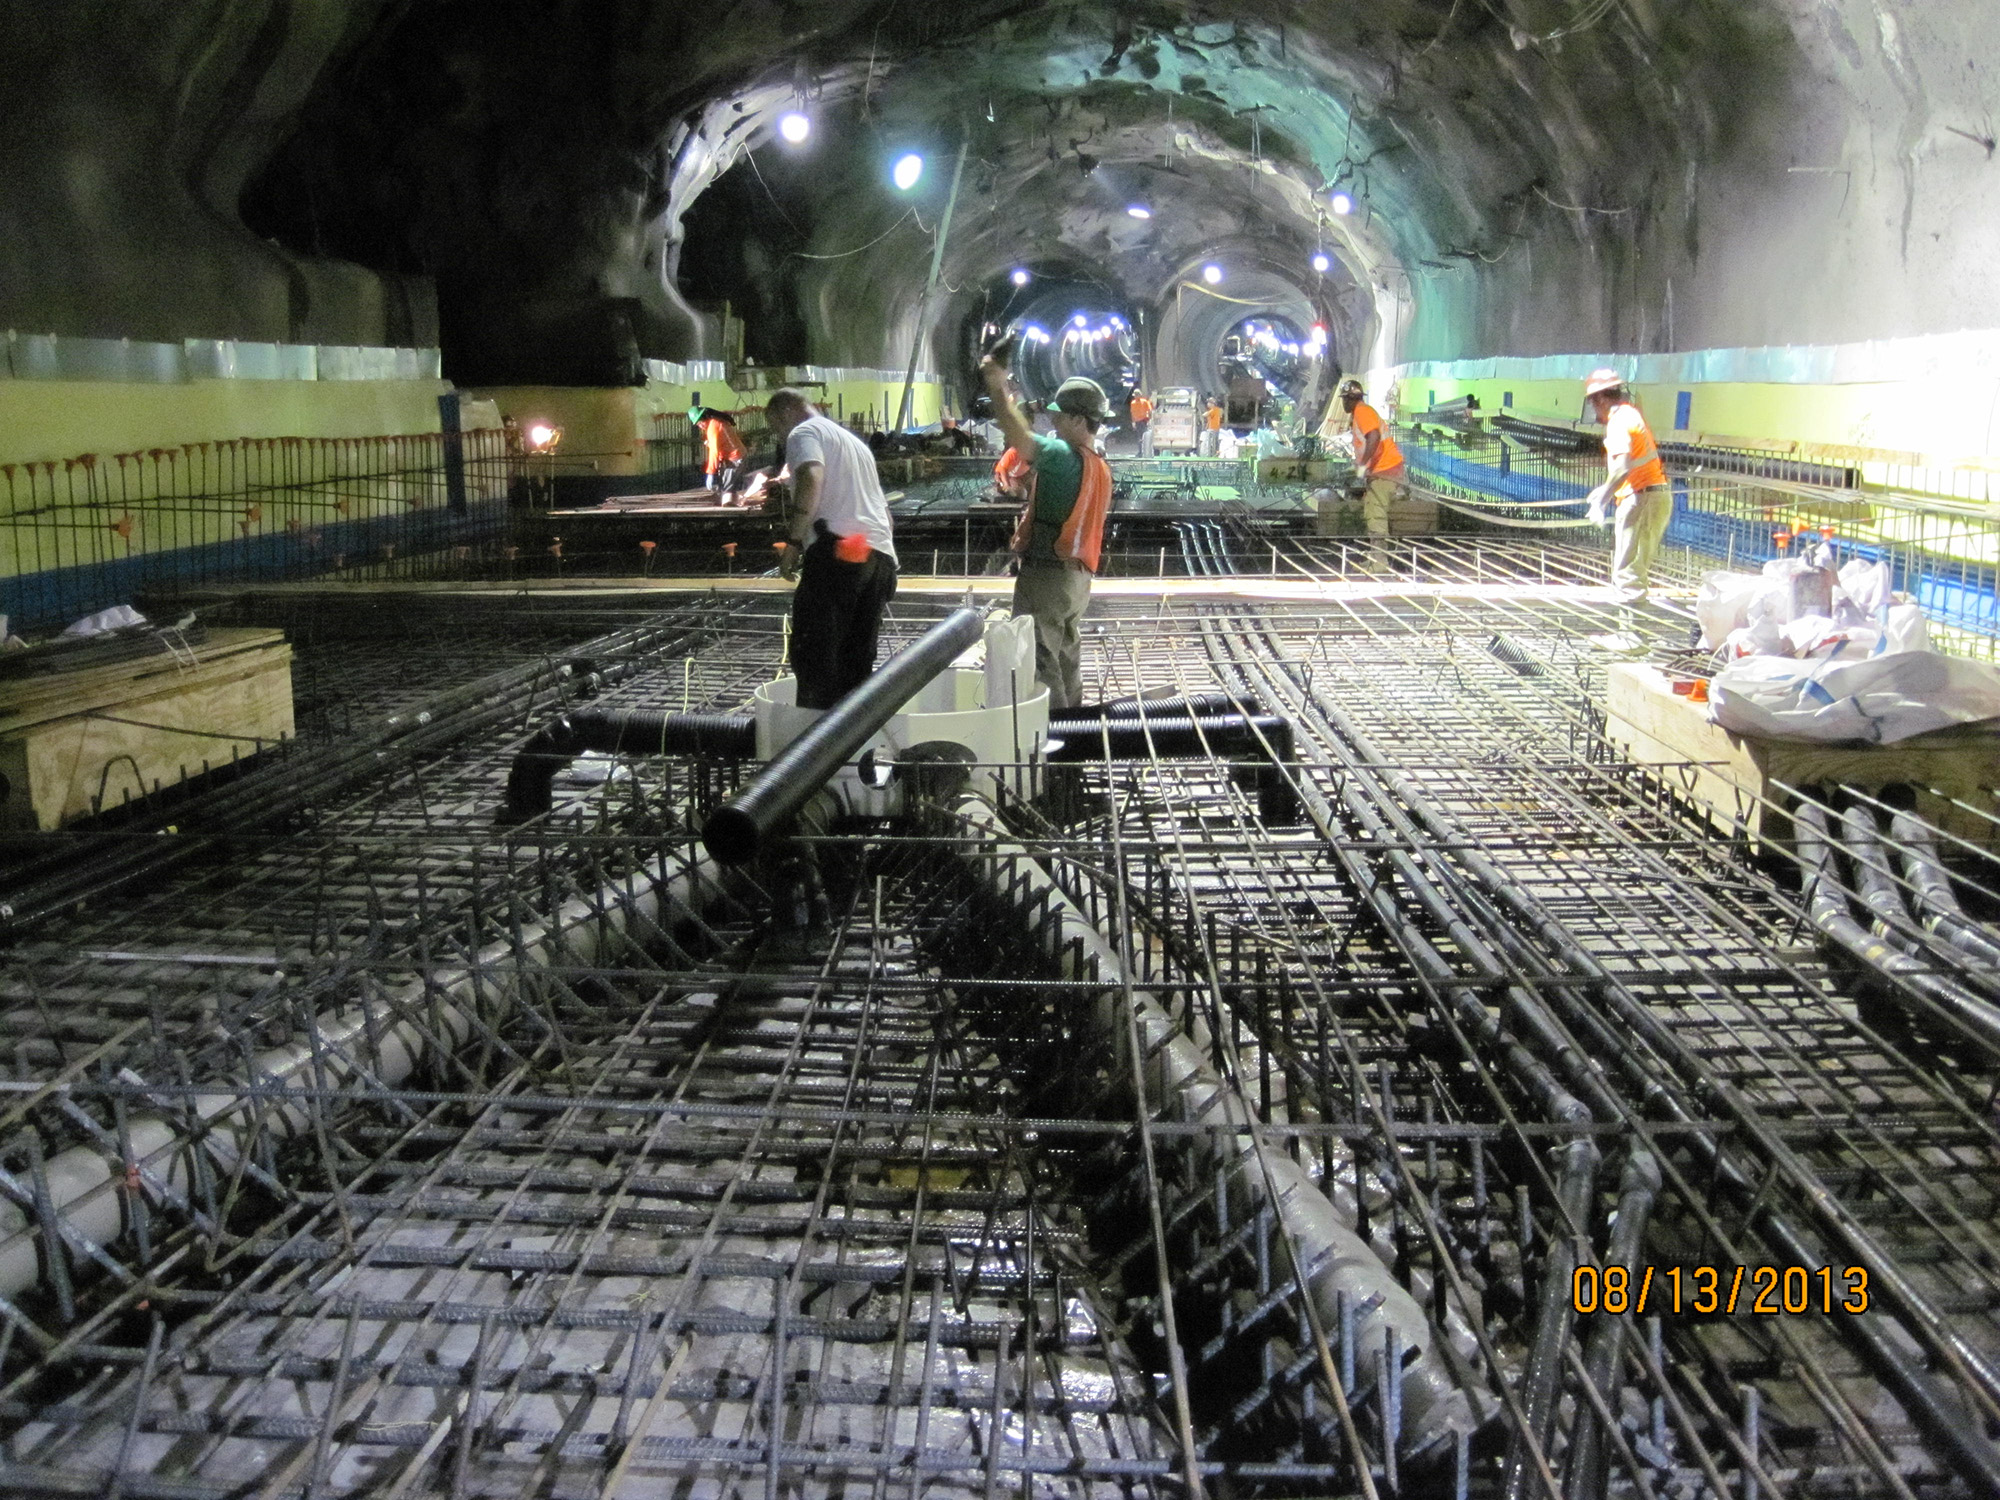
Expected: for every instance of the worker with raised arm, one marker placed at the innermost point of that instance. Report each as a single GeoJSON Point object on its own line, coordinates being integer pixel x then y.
{"type": "Point", "coordinates": [1142, 421]}
{"type": "Point", "coordinates": [1378, 462]}
{"type": "Point", "coordinates": [1061, 532]}
{"type": "Point", "coordinates": [1634, 478]}
{"type": "Point", "coordinates": [842, 550]}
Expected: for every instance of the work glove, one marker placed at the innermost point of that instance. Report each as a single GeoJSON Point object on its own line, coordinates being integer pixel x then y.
{"type": "Point", "coordinates": [1598, 511]}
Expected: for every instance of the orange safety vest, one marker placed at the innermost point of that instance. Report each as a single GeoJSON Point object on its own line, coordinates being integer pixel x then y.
{"type": "Point", "coordinates": [1014, 475]}
{"type": "Point", "coordinates": [1082, 536]}
{"type": "Point", "coordinates": [1388, 457]}
{"type": "Point", "coordinates": [724, 447]}
{"type": "Point", "coordinates": [1215, 419]}
{"type": "Point", "coordinates": [1649, 470]}
{"type": "Point", "coordinates": [1142, 409]}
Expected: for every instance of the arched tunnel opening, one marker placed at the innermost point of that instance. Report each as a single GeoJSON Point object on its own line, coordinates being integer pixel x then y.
{"type": "Point", "coordinates": [603, 896]}
{"type": "Point", "coordinates": [1061, 327]}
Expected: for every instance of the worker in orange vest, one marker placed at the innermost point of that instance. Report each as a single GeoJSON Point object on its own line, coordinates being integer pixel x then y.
{"type": "Point", "coordinates": [1635, 478]}
{"type": "Point", "coordinates": [1142, 421]}
{"type": "Point", "coordinates": [1378, 462]}
{"type": "Point", "coordinates": [1211, 435]}
{"type": "Point", "coordinates": [722, 448]}
{"type": "Point", "coordinates": [1060, 536]}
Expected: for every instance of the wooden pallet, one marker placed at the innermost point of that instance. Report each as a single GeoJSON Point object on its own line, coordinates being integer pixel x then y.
{"type": "Point", "coordinates": [1736, 776]}
{"type": "Point", "coordinates": [73, 743]}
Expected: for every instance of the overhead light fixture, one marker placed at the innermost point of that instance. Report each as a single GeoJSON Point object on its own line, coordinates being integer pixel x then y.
{"type": "Point", "coordinates": [1139, 211]}
{"type": "Point", "coordinates": [795, 127]}
{"type": "Point", "coordinates": [1020, 278]}
{"type": "Point", "coordinates": [1080, 320]}
{"type": "Point", "coordinates": [1321, 263]}
{"type": "Point", "coordinates": [1342, 204]}
{"type": "Point", "coordinates": [543, 437]}
{"type": "Point", "coordinates": [1211, 274]}
{"type": "Point", "coordinates": [909, 167]}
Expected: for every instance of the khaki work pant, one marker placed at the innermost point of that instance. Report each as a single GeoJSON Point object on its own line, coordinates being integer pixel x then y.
{"type": "Point", "coordinates": [1636, 532]}
{"type": "Point", "coordinates": [1055, 595]}
{"type": "Point", "coordinates": [1384, 490]}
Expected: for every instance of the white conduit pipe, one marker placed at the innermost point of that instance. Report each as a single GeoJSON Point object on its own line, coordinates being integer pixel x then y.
{"type": "Point", "coordinates": [376, 1043]}
{"type": "Point", "coordinates": [1181, 1085]}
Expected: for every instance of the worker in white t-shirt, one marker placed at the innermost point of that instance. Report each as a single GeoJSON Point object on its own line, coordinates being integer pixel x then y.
{"type": "Point", "coordinates": [842, 550]}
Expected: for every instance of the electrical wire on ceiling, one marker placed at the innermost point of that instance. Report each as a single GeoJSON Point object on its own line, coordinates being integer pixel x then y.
{"type": "Point", "coordinates": [1578, 208]}
{"type": "Point", "coordinates": [843, 254]}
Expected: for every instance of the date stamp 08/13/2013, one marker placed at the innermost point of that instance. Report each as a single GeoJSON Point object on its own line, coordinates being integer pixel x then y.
{"type": "Point", "coordinates": [1705, 1291]}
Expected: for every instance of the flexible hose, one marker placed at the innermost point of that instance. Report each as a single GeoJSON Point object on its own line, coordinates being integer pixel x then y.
{"type": "Point", "coordinates": [1936, 901]}
{"type": "Point", "coordinates": [1826, 904]}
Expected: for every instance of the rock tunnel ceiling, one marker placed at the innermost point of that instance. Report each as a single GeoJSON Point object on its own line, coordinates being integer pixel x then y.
{"type": "Point", "coordinates": [1523, 175]}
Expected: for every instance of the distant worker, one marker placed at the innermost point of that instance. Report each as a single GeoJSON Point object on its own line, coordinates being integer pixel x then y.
{"type": "Point", "coordinates": [842, 550]}
{"type": "Point", "coordinates": [1635, 476]}
{"type": "Point", "coordinates": [723, 448]}
{"type": "Point", "coordinates": [1061, 532]}
{"type": "Point", "coordinates": [1211, 435]}
{"type": "Point", "coordinates": [1142, 421]}
{"type": "Point", "coordinates": [1378, 462]}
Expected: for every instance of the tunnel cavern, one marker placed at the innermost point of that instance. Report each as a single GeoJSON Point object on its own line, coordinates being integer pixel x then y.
{"type": "Point", "coordinates": [873, 751]}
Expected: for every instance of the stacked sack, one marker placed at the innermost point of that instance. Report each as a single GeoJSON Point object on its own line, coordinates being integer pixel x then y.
{"type": "Point", "coordinates": [1819, 653]}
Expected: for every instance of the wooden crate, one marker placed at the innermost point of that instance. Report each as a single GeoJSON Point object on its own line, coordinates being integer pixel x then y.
{"type": "Point", "coordinates": [1734, 775]}
{"type": "Point", "coordinates": [74, 742]}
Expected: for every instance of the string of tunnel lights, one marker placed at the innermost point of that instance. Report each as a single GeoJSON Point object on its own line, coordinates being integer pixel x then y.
{"type": "Point", "coordinates": [907, 171]}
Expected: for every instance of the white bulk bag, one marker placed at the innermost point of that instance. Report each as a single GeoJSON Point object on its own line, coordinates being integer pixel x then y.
{"type": "Point", "coordinates": [1880, 699]}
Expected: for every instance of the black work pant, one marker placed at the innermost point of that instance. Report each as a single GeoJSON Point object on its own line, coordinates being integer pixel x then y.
{"type": "Point", "coordinates": [836, 615]}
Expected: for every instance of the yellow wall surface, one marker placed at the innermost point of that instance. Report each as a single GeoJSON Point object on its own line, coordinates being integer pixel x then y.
{"type": "Point", "coordinates": [43, 420]}
{"type": "Point", "coordinates": [1909, 433]}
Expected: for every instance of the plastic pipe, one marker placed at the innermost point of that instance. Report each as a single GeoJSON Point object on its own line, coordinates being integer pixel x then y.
{"type": "Point", "coordinates": [1936, 901]}
{"type": "Point", "coordinates": [1334, 1262]}
{"type": "Point", "coordinates": [1136, 739]}
{"type": "Point", "coordinates": [1826, 904]}
{"type": "Point", "coordinates": [735, 830]}
{"type": "Point", "coordinates": [531, 779]}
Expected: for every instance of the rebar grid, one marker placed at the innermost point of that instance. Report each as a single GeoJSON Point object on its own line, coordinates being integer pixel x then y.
{"type": "Point", "coordinates": [895, 1153]}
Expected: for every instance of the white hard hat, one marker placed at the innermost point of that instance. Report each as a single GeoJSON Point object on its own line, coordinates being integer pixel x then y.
{"type": "Point", "coordinates": [1599, 381]}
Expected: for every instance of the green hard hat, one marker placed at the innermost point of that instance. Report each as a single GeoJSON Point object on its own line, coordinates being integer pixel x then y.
{"type": "Point", "coordinates": [1081, 396]}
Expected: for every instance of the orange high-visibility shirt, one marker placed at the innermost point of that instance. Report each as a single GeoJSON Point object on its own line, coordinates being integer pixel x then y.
{"type": "Point", "coordinates": [724, 447]}
{"type": "Point", "coordinates": [1626, 432]}
{"type": "Point", "coordinates": [1388, 457]}
{"type": "Point", "coordinates": [1215, 419]}
{"type": "Point", "coordinates": [1142, 409]}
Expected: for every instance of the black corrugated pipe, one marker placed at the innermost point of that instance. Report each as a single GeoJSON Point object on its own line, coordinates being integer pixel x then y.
{"type": "Point", "coordinates": [1826, 904]}
{"type": "Point", "coordinates": [1890, 901]}
{"type": "Point", "coordinates": [93, 864]}
{"type": "Point", "coordinates": [1576, 1186]}
{"type": "Point", "coordinates": [1937, 903]}
{"type": "Point", "coordinates": [635, 731]}
{"type": "Point", "coordinates": [1181, 706]}
{"type": "Point", "coordinates": [734, 830]}
{"type": "Point", "coordinates": [1589, 1460]}
{"type": "Point", "coordinates": [1263, 735]}
{"type": "Point", "coordinates": [1136, 739]}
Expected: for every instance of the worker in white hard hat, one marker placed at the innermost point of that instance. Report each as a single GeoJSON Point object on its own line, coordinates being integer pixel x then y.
{"type": "Point", "coordinates": [1635, 481]}
{"type": "Point", "coordinates": [1378, 463]}
{"type": "Point", "coordinates": [1061, 531]}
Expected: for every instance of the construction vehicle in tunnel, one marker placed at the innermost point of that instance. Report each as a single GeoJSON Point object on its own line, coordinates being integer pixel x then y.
{"type": "Point", "coordinates": [1243, 408]}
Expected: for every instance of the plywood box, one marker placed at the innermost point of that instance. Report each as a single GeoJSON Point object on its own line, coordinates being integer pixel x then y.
{"type": "Point", "coordinates": [1739, 777]}
{"type": "Point", "coordinates": [72, 743]}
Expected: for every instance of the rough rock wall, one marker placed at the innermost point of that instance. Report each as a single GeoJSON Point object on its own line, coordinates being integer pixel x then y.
{"type": "Point", "coordinates": [127, 131]}
{"type": "Point", "coordinates": [1859, 199]}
